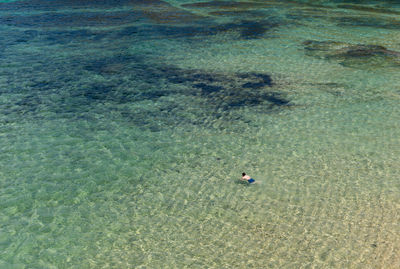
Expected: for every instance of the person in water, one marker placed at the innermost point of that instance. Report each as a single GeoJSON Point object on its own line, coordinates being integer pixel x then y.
{"type": "Point", "coordinates": [247, 178]}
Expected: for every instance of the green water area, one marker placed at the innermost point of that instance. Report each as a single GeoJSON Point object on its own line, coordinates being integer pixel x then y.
{"type": "Point", "coordinates": [125, 126]}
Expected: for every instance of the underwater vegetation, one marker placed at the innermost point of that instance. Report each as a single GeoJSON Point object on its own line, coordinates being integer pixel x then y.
{"type": "Point", "coordinates": [356, 56]}
{"type": "Point", "coordinates": [228, 91]}
{"type": "Point", "coordinates": [253, 29]}
{"type": "Point", "coordinates": [79, 4]}
{"type": "Point", "coordinates": [155, 11]}
{"type": "Point", "coordinates": [373, 9]}
{"type": "Point", "coordinates": [144, 19]}
{"type": "Point", "coordinates": [348, 21]}
{"type": "Point", "coordinates": [339, 2]}
{"type": "Point", "coordinates": [59, 85]}
{"type": "Point", "coordinates": [220, 90]}
{"type": "Point", "coordinates": [71, 19]}
{"type": "Point", "coordinates": [372, 14]}
{"type": "Point", "coordinates": [141, 90]}
{"type": "Point", "coordinates": [249, 14]}
{"type": "Point", "coordinates": [208, 94]}
{"type": "Point", "coordinates": [243, 29]}
{"type": "Point", "coordinates": [227, 5]}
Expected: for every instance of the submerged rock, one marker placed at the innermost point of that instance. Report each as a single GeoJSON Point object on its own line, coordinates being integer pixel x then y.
{"type": "Point", "coordinates": [321, 49]}
{"type": "Point", "coordinates": [356, 56]}
{"type": "Point", "coordinates": [366, 56]}
{"type": "Point", "coordinates": [365, 51]}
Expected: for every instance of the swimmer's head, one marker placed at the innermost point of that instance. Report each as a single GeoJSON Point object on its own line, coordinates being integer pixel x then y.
{"type": "Point", "coordinates": [243, 174]}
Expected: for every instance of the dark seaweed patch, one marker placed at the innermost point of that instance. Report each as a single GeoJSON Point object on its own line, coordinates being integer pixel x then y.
{"type": "Point", "coordinates": [265, 79]}
{"type": "Point", "coordinates": [27, 35]}
{"type": "Point", "coordinates": [113, 93]}
{"type": "Point", "coordinates": [129, 31]}
{"type": "Point", "coordinates": [155, 11]}
{"type": "Point", "coordinates": [225, 5]}
{"type": "Point", "coordinates": [17, 37]}
{"type": "Point", "coordinates": [253, 85]}
{"type": "Point", "coordinates": [229, 91]}
{"type": "Point", "coordinates": [246, 30]}
{"type": "Point", "coordinates": [249, 29]}
{"type": "Point", "coordinates": [168, 31]}
{"type": "Point", "coordinates": [51, 36]}
{"type": "Point", "coordinates": [207, 78]}
{"type": "Point", "coordinates": [367, 22]}
{"type": "Point", "coordinates": [130, 79]}
{"type": "Point", "coordinates": [372, 9]}
{"type": "Point", "coordinates": [277, 100]}
{"type": "Point", "coordinates": [117, 63]}
{"type": "Point", "coordinates": [194, 77]}
{"type": "Point", "coordinates": [74, 35]}
{"type": "Point", "coordinates": [60, 4]}
{"type": "Point", "coordinates": [254, 29]}
{"type": "Point", "coordinates": [71, 19]}
{"type": "Point", "coordinates": [207, 88]}
{"type": "Point", "coordinates": [179, 31]}
{"type": "Point", "coordinates": [239, 13]}
{"type": "Point", "coordinates": [98, 92]}
{"type": "Point", "coordinates": [155, 94]}
{"type": "Point", "coordinates": [30, 101]}
{"type": "Point", "coordinates": [224, 91]}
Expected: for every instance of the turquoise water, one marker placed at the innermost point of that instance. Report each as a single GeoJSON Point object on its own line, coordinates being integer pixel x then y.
{"type": "Point", "coordinates": [125, 127]}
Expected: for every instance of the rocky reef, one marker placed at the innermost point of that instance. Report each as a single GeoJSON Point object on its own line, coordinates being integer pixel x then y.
{"type": "Point", "coordinates": [362, 56]}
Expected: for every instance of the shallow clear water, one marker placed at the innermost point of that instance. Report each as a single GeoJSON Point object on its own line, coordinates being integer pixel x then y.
{"type": "Point", "coordinates": [125, 127]}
